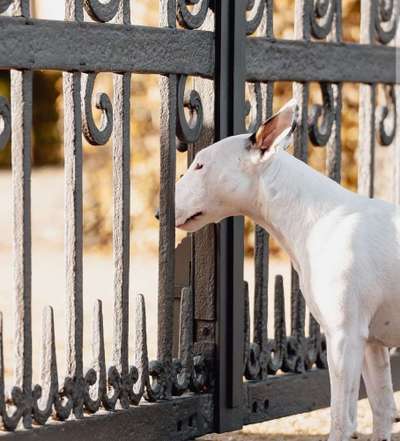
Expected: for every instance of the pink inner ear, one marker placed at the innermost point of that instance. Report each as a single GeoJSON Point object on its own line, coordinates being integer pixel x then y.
{"type": "Point", "coordinates": [272, 128]}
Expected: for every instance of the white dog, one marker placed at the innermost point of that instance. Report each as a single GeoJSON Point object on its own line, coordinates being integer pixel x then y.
{"type": "Point", "coordinates": [345, 248]}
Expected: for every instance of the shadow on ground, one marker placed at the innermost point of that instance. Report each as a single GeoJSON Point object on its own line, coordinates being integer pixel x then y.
{"type": "Point", "coordinates": [237, 436]}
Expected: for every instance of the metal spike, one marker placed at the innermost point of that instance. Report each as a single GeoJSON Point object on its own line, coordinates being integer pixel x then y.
{"type": "Point", "coordinates": [246, 325]}
{"type": "Point", "coordinates": [8, 422]}
{"type": "Point", "coordinates": [185, 363]}
{"type": "Point", "coordinates": [44, 395]}
{"type": "Point", "coordinates": [141, 359]}
{"type": "Point", "coordinates": [276, 361]}
{"type": "Point", "coordinates": [97, 374]}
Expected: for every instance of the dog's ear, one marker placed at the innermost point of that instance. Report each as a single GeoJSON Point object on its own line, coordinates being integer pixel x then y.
{"type": "Point", "coordinates": [276, 133]}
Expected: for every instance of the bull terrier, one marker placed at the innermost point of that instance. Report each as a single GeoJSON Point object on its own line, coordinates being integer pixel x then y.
{"type": "Point", "coordinates": [345, 248]}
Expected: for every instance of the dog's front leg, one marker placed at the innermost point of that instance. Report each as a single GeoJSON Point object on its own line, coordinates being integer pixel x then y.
{"type": "Point", "coordinates": [345, 358]}
{"type": "Point", "coordinates": [378, 381]}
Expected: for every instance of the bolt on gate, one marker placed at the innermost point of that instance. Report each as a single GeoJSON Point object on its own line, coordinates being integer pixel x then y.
{"type": "Point", "coordinates": [209, 374]}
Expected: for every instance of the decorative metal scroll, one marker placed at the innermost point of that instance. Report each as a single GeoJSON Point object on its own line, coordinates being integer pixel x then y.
{"type": "Point", "coordinates": [387, 117]}
{"type": "Point", "coordinates": [119, 385]}
{"type": "Point", "coordinates": [5, 122]}
{"type": "Point", "coordinates": [258, 19]}
{"type": "Point", "coordinates": [321, 17]}
{"type": "Point", "coordinates": [322, 117]}
{"type": "Point", "coordinates": [255, 9]}
{"type": "Point", "coordinates": [296, 352]}
{"type": "Point", "coordinates": [189, 17]}
{"type": "Point", "coordinates": [100, 387]}
{"type": "Point", "coordinates": [188, 132]}
{"type": "Point", "coordinates": [92, 134]}
{"type": "Point", "coordinates": [386, 14]}
{"type": "Point", "coordinates": [101, 12]}
{"type": "Point", "coordinates": [284, 352]}
{"type": "Point", "coordinates": [253, 107]}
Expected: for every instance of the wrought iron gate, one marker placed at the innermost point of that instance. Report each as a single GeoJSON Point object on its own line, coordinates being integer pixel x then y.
{"type": "Point", "coordinates": [203, 389]}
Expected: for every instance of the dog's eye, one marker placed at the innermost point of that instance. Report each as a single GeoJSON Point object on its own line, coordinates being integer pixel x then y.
{"type": "Point", "coordinates": [198, 166]}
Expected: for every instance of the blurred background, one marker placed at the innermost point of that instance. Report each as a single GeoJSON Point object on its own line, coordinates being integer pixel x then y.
{"type": "Point", "coordinates": [48, 192]}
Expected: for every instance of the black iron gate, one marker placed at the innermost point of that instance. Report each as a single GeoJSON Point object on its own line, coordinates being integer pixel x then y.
{"type": "Point", "coordinates": [212, 376]}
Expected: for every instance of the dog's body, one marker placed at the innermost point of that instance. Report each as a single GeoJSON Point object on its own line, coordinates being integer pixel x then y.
{"type": "Point", "coordinates": [345, 248]}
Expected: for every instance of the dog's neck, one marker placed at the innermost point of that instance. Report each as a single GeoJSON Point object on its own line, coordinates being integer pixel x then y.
{"type": "Point", "coordinates": [290, 198]}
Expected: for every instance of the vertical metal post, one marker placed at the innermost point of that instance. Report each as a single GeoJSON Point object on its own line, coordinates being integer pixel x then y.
{"type": "Point", "coordinates": [261, 237]}
{"type": "Point", "coordinates": [21, 117]}
{"type": "Point", "coordinates": [204, 242]}
{"type": "Point", "coordinates": [166, 275]}
{"type": "Point", "coordinates": [230, 41]}
{"type": "Point", "coordinates": [367, 112]}
{"type": "Point", "coordinates": [73, 220]}
{"type": "Point", "coordinates": [121, 216]}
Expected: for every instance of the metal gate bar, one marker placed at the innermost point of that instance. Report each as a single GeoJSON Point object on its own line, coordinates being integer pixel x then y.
{"type": "Point", "coordinates": [229, 120]}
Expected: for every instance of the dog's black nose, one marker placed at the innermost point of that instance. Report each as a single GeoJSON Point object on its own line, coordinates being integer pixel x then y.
{"type": "Point", "coordinates": [157, 214]}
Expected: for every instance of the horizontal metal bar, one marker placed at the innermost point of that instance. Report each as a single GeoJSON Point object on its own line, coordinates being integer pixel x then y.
{"type": "Point", "coordinates": [179, 419]}
{"type": "Point", "coordinates": [43, 44]}
{"type": "Point", "coordinates": [290, 394]}
{"type": "Point", "coordinates": [278, 60]}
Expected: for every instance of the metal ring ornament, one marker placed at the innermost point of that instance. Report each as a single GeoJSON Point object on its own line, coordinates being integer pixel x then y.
{"type": "Point", "coordinates": [16, 402]}
{"type": "Point", "coordinates": [158, 376]}
{"type": "Point", "coordinates": [101, 12]}
{"type": "Point", "coordinates": [188, 132]}
{"type": "Point", "coordinates": [255, 21]}
{"type": "Point", "coordinates": [93, 383]}
{"type": "Point", "coordinates": [386, 114]}
{"type": "Point", "coordinates": [42, 405]}
{"type": "Point", "coordinates": [4, 5]}
{"type": "Point", "coordinates": [5, 118]}
{"type": "Point", "coordinates": [321, 17]}
{"type": "Point", "coordinates": [252, 368]}
{"type": "Point", "coordinates": [64, 400]}
{"type": "Point", "coordinates": [186, 18]}
{"type": "Point", "coordinates": [181, 376]}
{"type": "Point", "coordinates": [386, 13]}
{"type": "Point", "coordinates": [199, 380]}
{"type": "Point", "coordinates": [92, 134]}
{"type": "Point", "coordinates": [320, 133]}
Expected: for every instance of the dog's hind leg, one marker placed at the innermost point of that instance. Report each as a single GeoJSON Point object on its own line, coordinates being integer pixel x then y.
{"type": "Point", "coordinates": [345, 358]}
{"type": "Point", "coordinates": [378, 382]}
{"type": "Point", "coordinates": [353, 412]}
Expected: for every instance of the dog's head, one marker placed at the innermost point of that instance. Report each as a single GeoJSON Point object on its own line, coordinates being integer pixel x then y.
{"type": "Point", "coordinates": [221, 179]}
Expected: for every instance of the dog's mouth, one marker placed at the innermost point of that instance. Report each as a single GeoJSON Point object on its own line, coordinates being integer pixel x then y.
{"type": "Point", "coordinates": [190, 219]}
